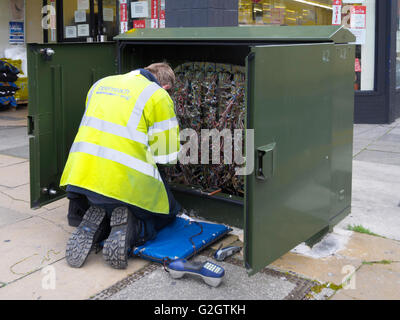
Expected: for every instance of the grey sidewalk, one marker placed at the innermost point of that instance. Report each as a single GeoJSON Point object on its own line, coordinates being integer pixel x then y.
{"type": "Point", "coordinates": [32, 243]}
{"type": "Point", "coordinates": [376, 179]}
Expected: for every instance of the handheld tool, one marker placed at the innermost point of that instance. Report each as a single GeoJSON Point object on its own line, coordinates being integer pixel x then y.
{"type": "Point", "coordinates": [211, 273]}
{"type": "Point", "coordinates": [222, 253]}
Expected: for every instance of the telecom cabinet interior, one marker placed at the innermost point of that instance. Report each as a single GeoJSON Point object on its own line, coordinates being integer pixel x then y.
{"type": "Point", "coordinates": [209, 94]}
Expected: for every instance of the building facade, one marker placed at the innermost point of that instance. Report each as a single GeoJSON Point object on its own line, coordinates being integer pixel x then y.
{"type": "Point", "coordinates": [374, 22]}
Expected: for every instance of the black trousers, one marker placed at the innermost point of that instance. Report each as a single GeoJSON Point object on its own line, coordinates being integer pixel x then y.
{"type": "Point", "coordinates": [152, 222]}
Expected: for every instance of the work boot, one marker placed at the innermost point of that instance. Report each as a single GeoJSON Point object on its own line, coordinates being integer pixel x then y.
{"type": "Point", "coordinates": [125, 229]}
{"type": "Point", "coordinates": [93, 229]}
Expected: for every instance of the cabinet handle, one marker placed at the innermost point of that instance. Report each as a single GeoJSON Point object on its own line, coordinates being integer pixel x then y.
{"type": "Point", "coordinates": [261, 163]}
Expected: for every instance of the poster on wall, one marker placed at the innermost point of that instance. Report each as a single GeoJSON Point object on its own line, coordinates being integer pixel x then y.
{"type": "Point", "coordinates": [358, 23]}
{"type": "Point", "coordinates": [162, 14]}
{"type": "Point", "coordinates": [337, 12]}
{"type": "Point", "coordinates": [352, 16]}
{"type": "Point", "coordinates": [83, 30]}
{"type": "Point", "coordinates": [80, 16]}
{"type": "Point", "coordinates": [358, 17]}
{"type": "Point", "coordinates": [139, 24]}
{"type": "Point", "coordinates": [139, 9]}
{"type": "Point", "coordinates": [83, 4]}
{"type": "Point", "coordinates": [123, 15]}
{"type": "Point", "coordinates": [17, 34]}
{"type": "Point", "coordinates": [108, 14]}
{"type": "Point", "coordinates": [70, 32]}
{"type": "Point", "coordinates": [154, 14]}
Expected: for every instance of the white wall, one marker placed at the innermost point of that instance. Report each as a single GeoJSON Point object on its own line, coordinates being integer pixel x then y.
{"type": "Point", "coordinates": [5, 17]}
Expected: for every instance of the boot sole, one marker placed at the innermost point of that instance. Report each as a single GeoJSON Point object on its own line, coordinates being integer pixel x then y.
{"type": "Point", "coordinates": [115, 250]}
{"type": "Point", "coordinates": [80, 243]}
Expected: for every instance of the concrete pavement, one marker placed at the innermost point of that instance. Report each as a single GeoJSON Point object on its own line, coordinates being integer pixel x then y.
{"type": "Point", "coordinates": [32, 242]}
{"type": "Point", "coordinates": [360, 265]}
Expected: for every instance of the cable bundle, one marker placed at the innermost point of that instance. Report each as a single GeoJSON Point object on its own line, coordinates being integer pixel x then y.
{"type": "Point", "coordinates": [210, 96]}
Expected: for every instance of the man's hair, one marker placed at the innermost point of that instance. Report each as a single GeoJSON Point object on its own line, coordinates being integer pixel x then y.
{"type": "Point", "coordinates": [163, 72]}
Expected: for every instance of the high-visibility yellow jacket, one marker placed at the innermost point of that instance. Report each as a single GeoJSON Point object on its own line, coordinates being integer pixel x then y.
{"type": "Point", "coordinates": [129, 125]}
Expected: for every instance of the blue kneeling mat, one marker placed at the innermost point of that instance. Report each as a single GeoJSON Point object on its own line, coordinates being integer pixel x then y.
{"type": "Point", "coordinates": [181, 240]}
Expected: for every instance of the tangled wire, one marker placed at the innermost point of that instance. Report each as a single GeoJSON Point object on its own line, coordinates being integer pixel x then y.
{"type": "Point", "coordinates": [209, 96]}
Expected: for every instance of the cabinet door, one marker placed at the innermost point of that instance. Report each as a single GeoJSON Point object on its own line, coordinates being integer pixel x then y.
{"type": "Point", "coordinates": [58, 85]}
{"type": "Point", "coordinates": [290, 109]}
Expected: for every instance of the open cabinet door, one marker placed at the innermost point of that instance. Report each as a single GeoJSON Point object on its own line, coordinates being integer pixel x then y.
{"type": "Point", "coordinates": [289, 107]}
{"type": "Point", "coordinates": [60, 76]}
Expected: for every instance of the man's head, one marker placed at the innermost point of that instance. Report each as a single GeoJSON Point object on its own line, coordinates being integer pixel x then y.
{"type": "Point", "coordinates": [164, 74]}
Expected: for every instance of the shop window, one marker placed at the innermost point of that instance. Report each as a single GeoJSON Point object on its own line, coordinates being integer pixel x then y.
{"type": "Point", "coordinates": [359, 17]}
{"type": "Point", "coordinates": [76, 17]}
{"type": "Point", "coordinates": [110, 26]}
{"type": "Point", "coordinates": [88, 20]}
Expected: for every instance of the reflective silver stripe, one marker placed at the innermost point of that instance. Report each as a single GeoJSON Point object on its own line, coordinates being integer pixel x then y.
{"type": "Point", "coordinates": [130, 131]}
{"type": "Point", "coordinates": [163, 126]}
{"type": "Point", "coordinates": [167, 158]}
{"type": "Point", "coordinates": [116, 156]}
{"type": "Point", "coordinates": [141, 101]}
{"type": "Point", "coordinates": [116, 129]}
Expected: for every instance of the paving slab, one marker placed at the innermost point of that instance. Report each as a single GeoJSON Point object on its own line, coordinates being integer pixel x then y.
{"type": "Point", "coordinates": [18, 193]}
{"type": "Point", "coordinates": [57, 216]}
{"type": "Point", "coordinates": [371, 248]}
{"type": "Point", "coordinates": [10, 121]}
{"type": "Point", "coordinates": [332, 269]}
{"type": "Point", "coordinates": [14, 175]}
{"type": "Point", "coordinates": [360, 142]}
{"type": "Point", "coordinates": [13, 137]}
{"type": "Point", "coordinates": [8, 160]}
{"type": "Point", "coordinates": [374, 282]}
{"type": "Point", "coordinates": [380, 157]}
{"type": "Point", "coordinates": [382, 194]}
{"type": "Point", "coordinates": [387, 146]}
{"type": "Point", "coordinates": [341, 295]}
{"type": "Point", "coordinates": [361, 129]}
{"type": "Point", "coordinates": [29, 245]}
{"type": "Point", "coordinates": [70, 283]}
{"type": "Point", "coordinates": [12, 117]}
{"type": "Point", "coordinates": [23, 206]}
{"type": "Point", "coordinates": [383, 221]}
{"type": "Point", "coordinates": [392, 136]}
{"type": "Point", "coordinates": [9, 216]}
{"type": "Point", "coordinates": [64, 202]}
{"type": "Point", "coordinates": [371, 132]}
{"type": "Point", "coordinates": [236, 285]}
{"type": "Point", "coordinates": [375, 172]}
{"type": "Point", "coordinates": [375, 199]}
{"type": "Point", "coordinates": [20, 152]}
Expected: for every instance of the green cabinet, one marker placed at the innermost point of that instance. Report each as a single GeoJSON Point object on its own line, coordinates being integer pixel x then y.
{"type": "Point", "coordinates": [59, 78]}
{"type": "Point", "coordinates": [299, 102]}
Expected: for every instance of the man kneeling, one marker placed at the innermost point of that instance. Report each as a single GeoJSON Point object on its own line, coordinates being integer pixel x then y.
{"type": "Point", "coordinates": [115, 190]}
